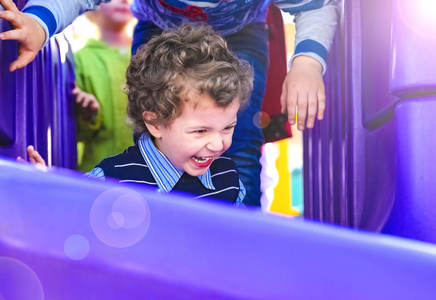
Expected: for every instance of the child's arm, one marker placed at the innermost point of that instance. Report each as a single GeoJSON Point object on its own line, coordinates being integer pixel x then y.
{"type": "Point", "coordinates": [34, 156]}
{"type": "Point", "coordinates": [38, 21]}
{"type": "Point", "coordinates": [303, 85]}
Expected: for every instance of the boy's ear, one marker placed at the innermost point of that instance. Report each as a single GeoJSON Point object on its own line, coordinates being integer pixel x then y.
{"type": "Point", "coordinates": [148, 116]}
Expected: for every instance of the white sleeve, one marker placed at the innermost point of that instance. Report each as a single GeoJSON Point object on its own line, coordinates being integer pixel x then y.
{"type": "Point", "coordinates": [315, 26]}
{"type": "Point", "coordinates": [315, 30]}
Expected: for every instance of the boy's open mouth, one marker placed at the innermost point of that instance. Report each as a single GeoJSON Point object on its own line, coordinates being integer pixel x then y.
{"type": "Point", "coordinates": [202, 161]}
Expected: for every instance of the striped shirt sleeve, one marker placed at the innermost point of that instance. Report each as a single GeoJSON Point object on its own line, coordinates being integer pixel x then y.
{"type": "Point", "coordinates": [241, 195]}
{"type": "Point", "coordinates": [96, 173]}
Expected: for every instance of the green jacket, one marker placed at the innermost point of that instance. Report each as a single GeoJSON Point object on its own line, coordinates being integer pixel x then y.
{"type": "Point", "coordinates": [100, 70]}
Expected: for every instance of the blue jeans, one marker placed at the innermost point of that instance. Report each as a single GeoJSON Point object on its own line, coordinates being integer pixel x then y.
{"type": "Point", "coordinates": [251, 44]}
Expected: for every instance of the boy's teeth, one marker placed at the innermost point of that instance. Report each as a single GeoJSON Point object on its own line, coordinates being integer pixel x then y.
{"type": "Point", "coordinates": [201, 159]}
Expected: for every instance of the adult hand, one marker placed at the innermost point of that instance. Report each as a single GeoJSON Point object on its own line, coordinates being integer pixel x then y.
{"type": "Point", "coordinates": [88, 104]}
{"type": "Point", "coordinates": [25, 30]}
{"type": "Point", "coordinates": [303, 88]}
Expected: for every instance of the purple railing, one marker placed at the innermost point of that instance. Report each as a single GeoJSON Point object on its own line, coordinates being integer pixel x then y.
{"type": "Point", "coordinates": [37, 105]}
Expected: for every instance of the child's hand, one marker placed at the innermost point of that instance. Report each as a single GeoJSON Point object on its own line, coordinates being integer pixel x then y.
{"type": "Point", "coordinates": [25, 30]}
{"type": "Point", "coordinates": [303, 87]}
{"type": "Point", "coordinates": [34, 156]}
{"type": "Point", "coordinates": [88, 104]}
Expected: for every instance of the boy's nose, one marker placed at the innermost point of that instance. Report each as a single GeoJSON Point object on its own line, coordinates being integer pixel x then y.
{"type": "Point", "coordinates": [216, 143]}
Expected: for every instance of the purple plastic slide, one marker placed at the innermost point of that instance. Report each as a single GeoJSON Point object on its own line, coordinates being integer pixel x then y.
{"type": "Point", "coordinates": [65, 236]}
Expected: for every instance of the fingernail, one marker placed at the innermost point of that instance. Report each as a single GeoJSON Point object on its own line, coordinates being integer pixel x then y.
{"type": "Point", "coordinates": [292, 122]}
{"type": "Point", "coordinates": [1, 34]}
{"type": "Point", "coordinates": [301, 127]}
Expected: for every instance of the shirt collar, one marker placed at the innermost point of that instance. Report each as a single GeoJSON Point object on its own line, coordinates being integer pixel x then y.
{"type": "Point", "coordinates": [163, 171]}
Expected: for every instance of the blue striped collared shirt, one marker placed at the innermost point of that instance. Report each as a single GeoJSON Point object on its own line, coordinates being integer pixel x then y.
{"type": "Point", "coordinates": [163, 171]}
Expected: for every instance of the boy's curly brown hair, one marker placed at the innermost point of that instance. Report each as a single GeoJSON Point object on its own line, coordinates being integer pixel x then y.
{"type": "Point", "coordinates": [190, 57]}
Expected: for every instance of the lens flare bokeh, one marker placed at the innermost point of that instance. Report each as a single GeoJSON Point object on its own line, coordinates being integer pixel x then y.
{"type": "Point", "coordinates": [18, 281]}
{"type": "Point", "coordinates": [120, 217]}
{"type": "Point", "coordinates": [261, 119]}
{"type": "Point", "coordinates": [76, 247]}
{"type": "Point", "coordinates": [419, 16]}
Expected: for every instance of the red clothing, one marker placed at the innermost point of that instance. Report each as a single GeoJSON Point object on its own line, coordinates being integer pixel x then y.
{"type": "Point", "coordinates": [278, 127]}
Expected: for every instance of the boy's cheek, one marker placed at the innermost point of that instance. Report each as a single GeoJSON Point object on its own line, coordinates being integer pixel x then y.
{"type": "Point", "coordinates": [227, 144]}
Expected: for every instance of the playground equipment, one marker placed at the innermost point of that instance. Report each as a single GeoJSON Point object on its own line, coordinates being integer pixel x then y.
{"type": "Point", "coordinates": [368, 166]}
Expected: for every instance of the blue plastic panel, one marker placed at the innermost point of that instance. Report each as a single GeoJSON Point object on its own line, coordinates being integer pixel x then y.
{"type": "Point", "coordinates": [375, 33]}
{"type": "Point", "coordinates": [414, 208]}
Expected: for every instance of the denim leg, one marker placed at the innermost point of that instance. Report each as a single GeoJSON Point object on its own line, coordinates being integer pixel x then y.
{"type": "Point", "coordinates": [144, 31]}
{"type": "Point", "coordinates": [251, 44]}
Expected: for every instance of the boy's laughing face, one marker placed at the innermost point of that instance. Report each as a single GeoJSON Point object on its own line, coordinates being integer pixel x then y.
{"type": "Point", "coordinates": [198, 136]}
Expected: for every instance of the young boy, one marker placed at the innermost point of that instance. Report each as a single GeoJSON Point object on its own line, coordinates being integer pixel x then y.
{"type": "Point", "coordinates": [185, 88]}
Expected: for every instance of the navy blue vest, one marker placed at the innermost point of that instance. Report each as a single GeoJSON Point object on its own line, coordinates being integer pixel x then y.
{"type": "Point", "coordinates": [130, 166]}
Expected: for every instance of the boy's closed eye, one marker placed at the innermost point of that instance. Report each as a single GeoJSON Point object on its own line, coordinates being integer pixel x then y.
{"type": "Point", "coordinates": [200, 131]}
{"type": "Point", "coordinates": [203, 131]}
